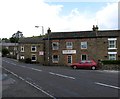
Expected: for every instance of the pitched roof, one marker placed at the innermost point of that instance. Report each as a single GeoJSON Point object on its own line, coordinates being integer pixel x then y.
{"type": "Point", "coordinates": [31, 40]}
{"type": "Point", "coordinates": [84, 34]}
{"type": "Point", "coordinates": [8, 44]}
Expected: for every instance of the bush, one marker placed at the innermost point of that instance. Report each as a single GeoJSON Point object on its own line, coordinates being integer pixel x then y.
{"type": "Point", "coordinates": [111, 62]}
{"type": "Point", "coordinates": [5, 52]}
{"type": "Point", "coordinates": [27, 60]}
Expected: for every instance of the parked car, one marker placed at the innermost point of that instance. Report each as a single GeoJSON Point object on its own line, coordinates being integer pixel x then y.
{"type": "Point", "coordinates": [85, 64]}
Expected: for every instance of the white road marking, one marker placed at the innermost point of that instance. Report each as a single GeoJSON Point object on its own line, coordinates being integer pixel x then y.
{"type": "Point", "coordinates": [7, 61]}
{"type": "Point", "coordinates": [61, 75]}
{"type": "Point", "coordinates": [22, 66]}
{"type": "Point", "coordinates": [52, 73]}
{"type": "Point", "coordinates": [36, 69]}
{"type": "Point", "coordinates": [32, 84]}
{"type": "Point", "coordinates": [13, 63]}
{"type": "Point", "coordinates": [21, 78]}
{"type": "Point", "coordinates": [25, 66]}
{"type": "Point", "coordinates": [107, 85]}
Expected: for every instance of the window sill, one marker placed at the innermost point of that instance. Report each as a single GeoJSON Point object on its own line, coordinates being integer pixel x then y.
{"type": "Point", "coordinates": [55, 61]}
{"type": "Point", "coordinates": [84, 48]}
{"type": "Point", "coordinates": [33, 51]}
{"type": "Point", "coordinates": [55, 49]}
{"type": "Point", "coordinates": [33, 60]}
{"type": "Point", "coordinates": [112, 48]}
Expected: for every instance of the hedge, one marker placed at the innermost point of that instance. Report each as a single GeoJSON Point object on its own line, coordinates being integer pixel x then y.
{"type": "Point", "coordinates": [111, 62]}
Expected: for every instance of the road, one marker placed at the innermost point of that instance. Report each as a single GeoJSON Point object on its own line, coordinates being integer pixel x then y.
{"type": "Point", "coordinates": [33, 80]}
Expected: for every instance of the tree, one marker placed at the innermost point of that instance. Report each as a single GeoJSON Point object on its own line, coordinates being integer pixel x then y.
{"type": "Point", "coordinates": [5, 52]}
{"type": "Point", "coordinates": [5, 40]}
{"type": "Point", "coordinates": [14, 40]}
{"type": "Point", "coordinates": [15, 37]}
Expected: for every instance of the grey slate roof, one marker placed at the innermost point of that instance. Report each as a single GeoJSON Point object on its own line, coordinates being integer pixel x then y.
{"type": "Point", "coordinates": [70, 35]}
{"type": "Point", "coordinates": [8, 44]}
{"type": "Point", "coordinates": [31, 40]}
{"type": "Point", "coordinates": [84, 34]}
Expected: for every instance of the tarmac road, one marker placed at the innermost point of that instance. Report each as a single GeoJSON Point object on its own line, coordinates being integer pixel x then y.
{"type": "Point", "coordinates": [31, 80]}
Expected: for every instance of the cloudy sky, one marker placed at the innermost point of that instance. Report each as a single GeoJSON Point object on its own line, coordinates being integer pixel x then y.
{"type": "Point", "coordinates": [59, 15]}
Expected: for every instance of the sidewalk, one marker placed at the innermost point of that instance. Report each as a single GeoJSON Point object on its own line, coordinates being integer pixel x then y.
{"type": "Point", "coordinates": [109, 71]}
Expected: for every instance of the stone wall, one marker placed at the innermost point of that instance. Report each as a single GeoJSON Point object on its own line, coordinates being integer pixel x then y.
{"type": "Point", "coordinates": [110, 67]}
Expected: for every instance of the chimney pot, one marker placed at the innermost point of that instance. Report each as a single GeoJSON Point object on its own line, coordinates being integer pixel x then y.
{"type": "Point", "coordinates": [48, 31]}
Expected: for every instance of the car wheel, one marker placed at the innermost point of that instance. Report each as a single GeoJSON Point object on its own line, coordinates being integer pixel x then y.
{"type": "Point", "coordinates": [93, 67]}
{"type": "Point", "coordinates": [74, 67]}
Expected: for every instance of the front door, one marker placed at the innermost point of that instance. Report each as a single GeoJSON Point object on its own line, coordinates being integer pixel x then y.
{"type": "Point", "coordinates": [69, 59]}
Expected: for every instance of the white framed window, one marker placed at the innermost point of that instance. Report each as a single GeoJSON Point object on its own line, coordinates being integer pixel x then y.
{"type": "Point", "coordinates": [55, 58]}
{"type": "Point", "coordinates": [84, 57]}
{"type": "Point", "coordinates": [15, 48]}
{"type": "Point", "coordinates": [22, 57]}
{"type": "Point", "coordinates": [83, 45]}
{"type": "Point", "coordinates": [33, 57]}
{"type": "Point", "coordinates": [33, 48]}
{"type": "Point", "coordinates": [112, 43]}
{"type": "Point", "coordinates": [11, 53]}
{"type": "Point", "coordinates": [7, 47]}
{"type": "Point", "coordinates": [112, 55]}
{"type": "Point", "coordinates": [69, 45]}
{"type": "Point", "coordinates": [69, 59]}
{"type": "Point", "coordinates": [22, 48]}
{"type": "Point", "coordinates": [55, 45]}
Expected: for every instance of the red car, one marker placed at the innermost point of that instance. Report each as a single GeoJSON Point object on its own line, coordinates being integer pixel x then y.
{"type": "Point", "coordinates": [85, 64]}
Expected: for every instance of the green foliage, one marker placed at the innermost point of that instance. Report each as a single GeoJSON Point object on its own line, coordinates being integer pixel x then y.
{"type": "Point", "coordinates": [5, 40]}
{"type": "Point", "coordinates": [14, 40]}
{"type": "Point", "coordinates": [111, 62]}
{"type": "Point", "coordinates": [5, 52]}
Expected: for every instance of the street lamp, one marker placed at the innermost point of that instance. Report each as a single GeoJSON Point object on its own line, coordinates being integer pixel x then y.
{"type": "Point", "coordinates": [42, 29]}
{"type": "Point", "coordinates": [48, 31]}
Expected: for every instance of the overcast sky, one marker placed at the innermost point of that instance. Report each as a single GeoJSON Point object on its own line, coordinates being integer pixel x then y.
{"type": "Point", "coordinates": [24, 15]}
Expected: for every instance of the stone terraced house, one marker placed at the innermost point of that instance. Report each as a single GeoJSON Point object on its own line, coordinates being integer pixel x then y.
{"type": "Point", "coordinates": [12, 48]}
{"type": "Point", "coordinates": [65, 48]}
{"type": "Point", "coordinates": [33, 48]}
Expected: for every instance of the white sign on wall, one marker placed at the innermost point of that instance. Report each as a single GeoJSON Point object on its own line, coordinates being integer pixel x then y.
{"type": "Point", "coordinates": [68, 51]}
{"type": "Point", "coordinates": [41, 53]}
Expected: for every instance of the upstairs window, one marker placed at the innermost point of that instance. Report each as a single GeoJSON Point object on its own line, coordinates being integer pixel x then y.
{"type": "Point", "coordinates": [55, 45]}
{"type": "Point", "coordinates": [22, 48]}
{"type": "Point", "coordinates": [69, 45]}
{"type": "Point", "coordinates": [112, 43]}
{"type": "Point", "coordinates": [33, 49]}
{"type": "Point", "coordinates": [83, 45]}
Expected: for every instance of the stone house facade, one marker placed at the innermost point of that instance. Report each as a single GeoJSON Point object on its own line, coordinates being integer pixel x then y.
{"type": "Point", "coordinates": [33, 48]}
{"type": "Point", "coordinates": [65, 48]}
{"type": "Point", "coordinates": [12, 47]}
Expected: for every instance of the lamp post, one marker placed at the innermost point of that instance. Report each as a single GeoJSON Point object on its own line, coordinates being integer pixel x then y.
{"type": "Point", "coordinates": [48, 31]}
{"type": "Point", "coordinates": [42, 29]}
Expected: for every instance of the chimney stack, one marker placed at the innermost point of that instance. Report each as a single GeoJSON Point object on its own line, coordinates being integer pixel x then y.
{"type": "Point", "coordinates": [48, 31]}
{"type": "Point", "coordinates": [95, 28]}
